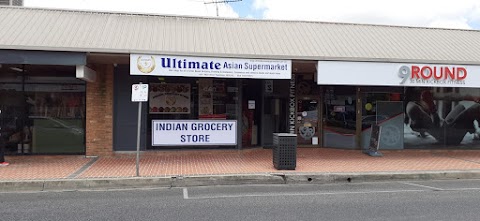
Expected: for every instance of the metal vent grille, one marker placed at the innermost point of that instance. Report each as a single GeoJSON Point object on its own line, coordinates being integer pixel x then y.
{"type": "Point", "coordinates": [12, 2]}
{"type": "Point", "coordinates": [17, 2]}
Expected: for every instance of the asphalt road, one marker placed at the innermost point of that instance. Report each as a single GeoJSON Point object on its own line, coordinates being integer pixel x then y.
{"type": "Point", "coordinates": [412, 200]}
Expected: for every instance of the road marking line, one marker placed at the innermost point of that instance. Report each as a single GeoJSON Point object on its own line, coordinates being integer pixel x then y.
{"type": "Point", "coordinates": [185, 193]}
{"type": "Point", "coordinates": [461, 189]}
{"type": "Point", "coordinates": [424, 186]}
{"type": "Point", "coordinates": [253, 195]}
{"type": "Point", "coordinates": [87, 190]}
{"type": "Point", "coordinates": [302, 194]}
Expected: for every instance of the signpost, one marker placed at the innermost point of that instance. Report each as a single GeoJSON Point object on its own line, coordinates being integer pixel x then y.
{"type": "Point", "coordinates": [139, 94]}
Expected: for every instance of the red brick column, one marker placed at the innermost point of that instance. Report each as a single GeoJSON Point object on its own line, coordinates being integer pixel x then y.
{"type": "Point", "coordinates": [99, 115]}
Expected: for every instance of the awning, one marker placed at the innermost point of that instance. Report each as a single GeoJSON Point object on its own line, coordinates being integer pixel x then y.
{"type": "Point", "coordinates": [42, 57]}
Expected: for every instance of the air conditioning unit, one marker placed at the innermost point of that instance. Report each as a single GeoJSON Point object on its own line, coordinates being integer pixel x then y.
{"type": "Point", "coordinates": [11, 2]}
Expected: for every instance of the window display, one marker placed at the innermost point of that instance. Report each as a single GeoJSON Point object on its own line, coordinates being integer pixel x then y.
{"type": "Point", "coordinates": [384, 109]}
{"type": "Point", "coordinates": [442, 117]}
{"type": "Point", "coordinates": [46, 115]}
{"type": "Point", "coordinates": [169, 98]}
{"type": "Point", "coordinates": [191, 99]}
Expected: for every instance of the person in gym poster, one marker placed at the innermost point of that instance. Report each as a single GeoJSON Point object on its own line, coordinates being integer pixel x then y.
{"type": "Point", "coordinates": [447, 117]}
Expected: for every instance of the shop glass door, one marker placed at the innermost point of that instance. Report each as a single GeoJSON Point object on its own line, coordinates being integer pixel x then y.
{"type": "Point", "coordinates": [384, 109]}
{"type": "Point", "coordinates": [307, 121]}
{"type": "Point", "coordinates": [339, 117]}
{"type": "Point", "coordinates": [307, 97]}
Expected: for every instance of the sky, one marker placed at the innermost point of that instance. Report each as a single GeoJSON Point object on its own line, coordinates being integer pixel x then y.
{"type": "Point", "coordinates": [463, 14]}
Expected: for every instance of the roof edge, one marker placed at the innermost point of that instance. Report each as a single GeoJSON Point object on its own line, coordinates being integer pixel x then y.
{"type": "Point", "coordinates": [227, 18]}
{"type": "Point", "coordinates": [240, 56]}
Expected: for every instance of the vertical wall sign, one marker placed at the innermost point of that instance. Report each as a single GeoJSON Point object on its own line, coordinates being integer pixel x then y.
{"type": "Point", "coordinates": [292, 107]}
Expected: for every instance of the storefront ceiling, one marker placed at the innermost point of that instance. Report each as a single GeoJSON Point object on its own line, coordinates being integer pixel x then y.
{"type": "Point", "coordinates": [304, 67]}
{"type": "Point", "coordinates": [124, 33]}
{"type": "Point", "coordinates": [37, 70]}
{"type": "Point", "coordinates": [102, 58]}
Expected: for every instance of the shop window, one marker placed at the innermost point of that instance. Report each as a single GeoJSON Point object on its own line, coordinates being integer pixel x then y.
{"type": "Point", "coordinates": [173, 98]}
{"type": "Point", "coordinates": [44, 108]}
{"type": "Point", "coordinates": [340, 117]}
{"type": "Point", "coordinates": [386, 110]}
{"type": "Point", "coordinates": [442, 118]}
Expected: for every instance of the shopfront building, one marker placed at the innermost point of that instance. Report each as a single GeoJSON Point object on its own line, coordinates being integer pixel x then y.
{"type": "Point", "coordinates": [417, 105]}
{"type": "Point", "coordinates": [203, 102]}
{"type": "Point", "coordinates": [232, 83]}
{"type": "Point", "coordinates": [42, 102]}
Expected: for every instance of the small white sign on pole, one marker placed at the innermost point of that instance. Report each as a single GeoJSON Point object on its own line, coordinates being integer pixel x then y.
{"type": "Point", "coordinates": [139, 92]}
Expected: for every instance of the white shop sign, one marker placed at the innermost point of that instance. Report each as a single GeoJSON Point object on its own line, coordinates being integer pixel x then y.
{"type": "Point", "coordinates": [182, 66]}
{"type": "Point", "coordinates": [269, 86]}
{"type": "Point", "coordinates": [194, 132]}
{"type": "Point", "coordinates": [397, 74]}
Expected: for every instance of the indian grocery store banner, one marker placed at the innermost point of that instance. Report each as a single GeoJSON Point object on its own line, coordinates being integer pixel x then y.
{"type": "Point", "coordinates": [397, 74]}
{"type": "Point", "coordinates": [181, 66]}
{"type": "Point", "coordinates": [194, 132]}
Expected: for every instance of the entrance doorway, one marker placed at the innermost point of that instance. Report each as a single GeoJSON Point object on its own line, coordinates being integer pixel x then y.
{"type": "Point", "coordinates": [308, 100]}
{"type": "Point", "coordinates": [340, 117]}
{"type": "Point", "coordinates": [251, 113]}
{"type": "Point", "coordinates": [383, 107]}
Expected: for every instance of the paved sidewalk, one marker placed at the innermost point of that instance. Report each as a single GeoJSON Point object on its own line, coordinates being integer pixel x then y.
{"type": "Point", "coordinates": [235, 162]}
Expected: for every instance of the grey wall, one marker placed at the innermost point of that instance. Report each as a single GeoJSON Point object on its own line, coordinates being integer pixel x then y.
{"type": "Point", "coordinates": [42, 57]}
{"type": "Point", "coordinates": [126, 112]}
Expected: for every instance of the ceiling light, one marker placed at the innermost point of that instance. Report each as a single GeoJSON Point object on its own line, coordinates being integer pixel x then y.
{"type": "Point", "coordinates": [16, 69]}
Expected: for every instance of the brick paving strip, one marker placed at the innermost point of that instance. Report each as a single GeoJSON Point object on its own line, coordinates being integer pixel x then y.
{"type": "Point", "coordinates": [459, 156]}
{"type": "Point", "coordinates": [83, 168]}
{"type": "Point", "coordinates": [230, 162]}
{"type": "Point", "coordinates": [259, 161]}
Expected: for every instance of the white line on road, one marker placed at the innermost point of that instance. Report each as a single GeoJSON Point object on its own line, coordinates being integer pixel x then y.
{"type": "Point", "coordinates": [420, 185]}
{"type": "Point", "coordinates": [185, 193]}
{"type": "Point", "coordinates": [303, 194]}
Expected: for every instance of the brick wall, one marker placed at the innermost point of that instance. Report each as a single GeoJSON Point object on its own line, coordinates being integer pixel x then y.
{"type": "Point", "coordinates": [99, 116]}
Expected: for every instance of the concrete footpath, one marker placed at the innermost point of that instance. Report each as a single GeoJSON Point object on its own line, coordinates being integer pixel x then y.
{"type": "Point", "coordinates": [232, 167]}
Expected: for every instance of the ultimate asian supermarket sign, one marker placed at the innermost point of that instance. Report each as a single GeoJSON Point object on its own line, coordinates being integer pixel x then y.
{"type": "Point", "coordinates": [182, 66]}
{"type": "Point", "coordinates": [194, 132]}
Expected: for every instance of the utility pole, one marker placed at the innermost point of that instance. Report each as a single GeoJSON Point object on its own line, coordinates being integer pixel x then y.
{"type": "Point", "coordinates": [221, 1]}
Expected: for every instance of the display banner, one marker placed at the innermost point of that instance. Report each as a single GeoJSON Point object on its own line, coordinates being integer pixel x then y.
{"type": "Point", "coordinates": [169, 98]}
{"type": "Point", "coordinates": [181, 66]}
{"type": "Point", "coordinates": [194, 132]}
{"type": "Point", "coordinates": [397, 74]}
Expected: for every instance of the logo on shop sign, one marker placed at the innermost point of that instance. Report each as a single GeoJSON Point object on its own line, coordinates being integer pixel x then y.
{"type": "Point", "coordinates": [432, 74]}
{"type": "Point", "coordinates": [146, 64]}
